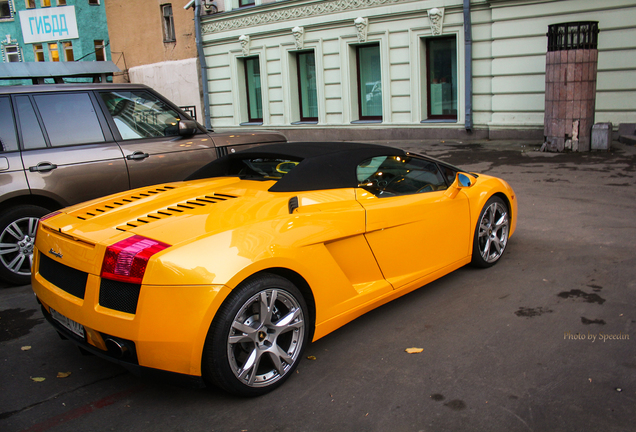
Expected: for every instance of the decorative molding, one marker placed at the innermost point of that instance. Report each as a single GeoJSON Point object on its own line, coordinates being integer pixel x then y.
{"type": "Point", "coordinates": [288, 13]}
{"type": "Point", "coordinates": [8, 41]}
{"type": "Point", "coordinates": [245, 44]}
{"type": "Point", "coordinates": [436, 16]}
{"type": "Point", "coordinates": [299, 36]}
{"type": "Point", "coordinates": [362, 24]}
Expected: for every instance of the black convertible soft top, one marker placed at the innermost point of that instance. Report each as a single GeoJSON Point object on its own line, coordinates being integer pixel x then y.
{"type": "Point", "coordinates": [323, 165]}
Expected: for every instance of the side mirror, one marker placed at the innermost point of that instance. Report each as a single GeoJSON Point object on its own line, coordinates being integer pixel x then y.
{"type": "Point", "coordinates": [187, 127]}
{"type": "Point", "coordinates": [464, 180]}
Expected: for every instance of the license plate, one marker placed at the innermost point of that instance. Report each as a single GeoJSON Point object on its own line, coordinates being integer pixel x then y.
{"type": "Point", "coordinates": [75, 328]}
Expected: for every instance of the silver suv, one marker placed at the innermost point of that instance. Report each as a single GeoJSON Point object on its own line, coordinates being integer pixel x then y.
{"type": "Point", "coordinates": [63, 144]}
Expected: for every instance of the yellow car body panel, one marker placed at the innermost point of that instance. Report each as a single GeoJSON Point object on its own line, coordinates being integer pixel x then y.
{"type": "Point", "coordinates": [355, 252]}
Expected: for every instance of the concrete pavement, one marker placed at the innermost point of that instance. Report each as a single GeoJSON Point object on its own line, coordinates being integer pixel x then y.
{"type": "Point", "coordinates": [544, 340]}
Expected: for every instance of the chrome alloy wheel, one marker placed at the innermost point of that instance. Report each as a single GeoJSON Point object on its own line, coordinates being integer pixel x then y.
{"type": "Point", "coordinates": [16, 245]}
{"type": "Point", "coordinates": [266, 337]}
{"type": "Point", "coordinates": [493, 232]}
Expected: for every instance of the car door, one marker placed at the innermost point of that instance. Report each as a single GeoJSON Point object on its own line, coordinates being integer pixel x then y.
{"type": "Point", "coordinates": [12, 178]}
{"type": "Point", "coordinates": [412, 226]}
{"type": "Point", "coordinates": [147, 130]}
{"type": "Point", "coordinates": [67, 155]}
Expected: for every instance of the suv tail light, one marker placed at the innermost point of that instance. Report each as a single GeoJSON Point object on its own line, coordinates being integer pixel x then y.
{"type": "Point", "coordinates": [126, 261]}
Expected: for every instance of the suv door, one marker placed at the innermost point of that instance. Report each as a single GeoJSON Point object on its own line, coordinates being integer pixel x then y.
{"type": "Point", "coordinates": [147, 130]}
{"type": "Point", "coordinates": [66, 153]}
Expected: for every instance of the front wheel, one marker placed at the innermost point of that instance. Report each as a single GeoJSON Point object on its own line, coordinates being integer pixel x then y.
{"type": "Point", "coordinates": [491, 233]}
{"type": "Point", "coordinates": [17, 236]}
{"type": "Point", "coordinates": [257, 337]}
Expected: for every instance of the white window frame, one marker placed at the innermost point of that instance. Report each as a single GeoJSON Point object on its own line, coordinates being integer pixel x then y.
{"type": "Point", "coordinates": [5, 53]}
{"type": "Point", "coordinates": [234, 4]}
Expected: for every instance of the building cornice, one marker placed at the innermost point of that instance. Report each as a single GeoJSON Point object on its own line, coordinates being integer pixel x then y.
{"type": "Point", "coordinates": [260, 16]}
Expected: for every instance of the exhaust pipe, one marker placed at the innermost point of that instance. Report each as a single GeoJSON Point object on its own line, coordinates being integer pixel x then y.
{"type": "Point", "coordinates": [118, 349]}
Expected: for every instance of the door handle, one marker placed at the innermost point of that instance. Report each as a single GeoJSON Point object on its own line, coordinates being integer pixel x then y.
{"type": "Point", "coordinates": [43, 167]}
{"type": "Point", "coordinates": [137, 156]}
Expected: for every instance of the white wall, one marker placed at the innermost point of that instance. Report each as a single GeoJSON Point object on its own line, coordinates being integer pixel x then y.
{"type": "Point", "coordinates": [176, 80]}
{"type": "Point", "coordinates": [509, 51]}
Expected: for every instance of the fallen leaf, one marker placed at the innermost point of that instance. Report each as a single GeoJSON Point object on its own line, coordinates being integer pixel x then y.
{"type": "Point", "coordinates": [414, 350]}
{"type": "Point", "coordinates": [37, 379]}
{"type": "Point", "coordinates": [63, 374]}
{"type": "Point", "coordinates": [25, 348]}
{"type": "Point", "coordinates": [311, 357]}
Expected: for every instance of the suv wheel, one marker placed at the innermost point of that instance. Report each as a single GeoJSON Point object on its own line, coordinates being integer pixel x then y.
{"type": "Point", "coordinates": [17, 237]}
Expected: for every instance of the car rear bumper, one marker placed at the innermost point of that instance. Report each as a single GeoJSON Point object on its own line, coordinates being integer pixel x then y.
{"type": "Point", "coordinates": [165, 332]}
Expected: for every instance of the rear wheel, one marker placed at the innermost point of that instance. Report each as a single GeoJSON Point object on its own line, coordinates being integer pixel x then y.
{"type": "Point", "coordinates": [17, 236]}
{"type": "Point", "coordinates": [257, 337]}
{"type": "Point", "coordinates": [491, 233]}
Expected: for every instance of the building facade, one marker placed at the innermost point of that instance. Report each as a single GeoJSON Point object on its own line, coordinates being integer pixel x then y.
{"type": "Point", "coordinates": [382, 69]}
{"type": "Point", "coordinates": [153, 42]}
{"type": "Point", "coordinates": [53, 31]}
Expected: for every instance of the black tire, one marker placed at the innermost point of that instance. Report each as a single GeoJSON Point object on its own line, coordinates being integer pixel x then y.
{"type": "Point", "coordinates": [239, 336]}
{"type": "Point", "coordinates": [17, 235]}
{"type": "Point", "coordinates": [491, 233]}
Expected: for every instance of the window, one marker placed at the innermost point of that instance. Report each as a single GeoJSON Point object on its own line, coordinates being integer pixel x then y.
{"type": "Point", "coordinates": [386, 176]}
{"type": "Point", "coordinates": [68, 51]}
{"type": "Point", "coordinates": [11, 53]}
{"type": "Point", "coordinates": [38, 52]}
{"type": "Point", "coordinates": [93, 2]}
{"type": "Point", "coordinates": [246, 3]}
{"type": "Point", "coordinates": [253, 87]}
{"type": "Point", "coordinates": [45, 3]}
{"type": "Point", "coordinates": [8, 140]}
{"type": "Point", "coordinates": [168, 23]}
{"type": "Point", "coordinates": [308, 99]}
{"type": "Point", "coordinates": [5, 9]}
{"type": "Point", "coordinates": [32, 137]}
{"type": "Point", "coordinates": [140, 114]}
{"type": "Point", "coordinates": [30, 4]}
{"type": "Point", "coordinates": [369, 82]}
{"type": "Point", "coordinates": [100, 53]}
{"type": "Point", "coordinates": [61, 2]}
{"type": "Point", "coordinates": [54, 54]}
{"type": "Point", "coordinates": [69, 118]}
{"type": "Point", "coordinates": [441, 77]}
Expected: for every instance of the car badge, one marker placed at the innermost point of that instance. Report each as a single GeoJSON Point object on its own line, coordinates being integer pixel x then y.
{"type": "Point", "coordinates": [57, 254]}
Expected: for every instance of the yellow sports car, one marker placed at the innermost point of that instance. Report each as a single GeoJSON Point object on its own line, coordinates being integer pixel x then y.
{"type": "Point", "coordinates": [224, 278]}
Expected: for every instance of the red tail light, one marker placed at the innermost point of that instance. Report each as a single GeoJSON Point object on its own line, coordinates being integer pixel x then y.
{"type": "Point", "coordinates": [126, 261]}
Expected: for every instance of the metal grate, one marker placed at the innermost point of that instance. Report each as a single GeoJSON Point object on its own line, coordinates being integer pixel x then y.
{"type": "Point", "coordinates": [65, 278]}
{"type": "Point", "coordinates": [121, 296]}
{"type": "Point", "coordinates": [573, 35]}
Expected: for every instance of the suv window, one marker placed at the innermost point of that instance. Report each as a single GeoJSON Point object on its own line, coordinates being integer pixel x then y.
{"type": "Point", "coordinates": [399, 175]}
{"type": "Point", "coordinates": [69, 118]}
{"type": "Point", "coordinates": [140, 114]}
{"type": "Point", "coordinates": [8, 141]}
{"type": "Point", "coordinates": [32, 137]}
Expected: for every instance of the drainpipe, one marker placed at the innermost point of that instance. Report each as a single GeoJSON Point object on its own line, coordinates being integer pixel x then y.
{"type": "Point", "coordinates": [201, 55]}
{"type": "Point", "coordinates": [468, 66]}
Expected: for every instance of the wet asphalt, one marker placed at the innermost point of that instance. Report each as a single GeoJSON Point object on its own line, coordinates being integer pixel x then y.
{"type": "Point", "coordinates": [543, 341]}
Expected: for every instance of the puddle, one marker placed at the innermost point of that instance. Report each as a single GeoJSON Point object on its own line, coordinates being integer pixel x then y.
{"type": "Point", "coordinates": [532, 312]}
{"type": "Point", "coordinates": [15, 323]}
{"type": "Point", "coordinates": [589, 298]}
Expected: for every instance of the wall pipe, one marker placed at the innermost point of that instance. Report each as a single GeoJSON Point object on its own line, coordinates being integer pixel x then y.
{"type": "Point", "coordinates": [468, 66]}
{"type": "Point", "coordinates": [202, 64]}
